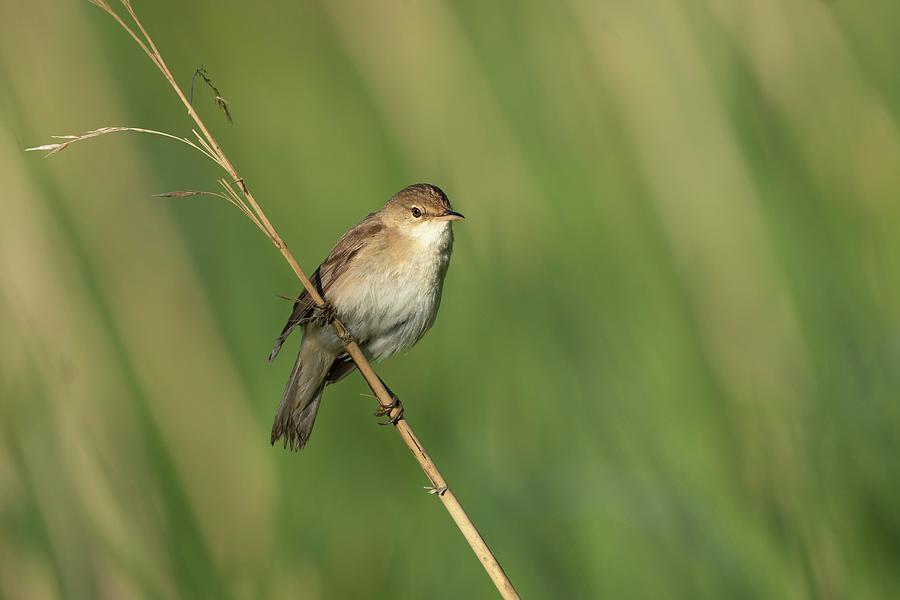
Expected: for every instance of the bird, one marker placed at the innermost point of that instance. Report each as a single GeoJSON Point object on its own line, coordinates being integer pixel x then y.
{"type": "Point", "coordinates": [383, 280]}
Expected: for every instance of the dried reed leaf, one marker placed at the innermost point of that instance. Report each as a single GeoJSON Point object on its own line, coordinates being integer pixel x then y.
{"type": "Point", "coordinates": [71, 139]}
{"type": "Point", "coordinates": [183, 194]}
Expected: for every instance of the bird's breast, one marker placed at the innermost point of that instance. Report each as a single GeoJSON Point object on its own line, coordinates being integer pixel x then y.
{"type": "Point", "coordinates": [389, 298]}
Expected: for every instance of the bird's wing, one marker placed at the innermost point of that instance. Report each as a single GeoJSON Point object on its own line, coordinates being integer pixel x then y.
{"type": "Point", "coordinates": [342, 255]}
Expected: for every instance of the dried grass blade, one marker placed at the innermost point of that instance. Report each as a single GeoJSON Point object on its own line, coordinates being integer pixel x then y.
{"type": "Point", "coordinates": [71, 139]}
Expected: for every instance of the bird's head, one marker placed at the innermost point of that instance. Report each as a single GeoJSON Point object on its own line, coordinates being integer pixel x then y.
{"type": "Point", "coordinates": [420, 210]}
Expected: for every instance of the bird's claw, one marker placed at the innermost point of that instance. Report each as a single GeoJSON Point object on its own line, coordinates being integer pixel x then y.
{"type": "Point", "coordinates": [435, 490]}
{"type": "Point", "coordinates": [385, 411]}
{"type": "Point", "coordinates": [324, 315]}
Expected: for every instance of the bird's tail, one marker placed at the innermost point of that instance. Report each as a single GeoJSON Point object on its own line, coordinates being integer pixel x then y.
{"type": "Point", "coordinates": [296, 414]}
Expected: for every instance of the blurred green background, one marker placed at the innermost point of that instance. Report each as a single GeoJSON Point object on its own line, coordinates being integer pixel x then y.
{"type": "Point", "coordinates": [667, 363]}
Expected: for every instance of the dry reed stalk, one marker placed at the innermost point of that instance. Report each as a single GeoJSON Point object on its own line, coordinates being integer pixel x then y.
{"type": "Point", "coordinates": [207, 145]}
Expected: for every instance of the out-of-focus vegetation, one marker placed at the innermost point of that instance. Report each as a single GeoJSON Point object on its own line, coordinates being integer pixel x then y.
{"type": "Point", "coordinates": [667, 364]}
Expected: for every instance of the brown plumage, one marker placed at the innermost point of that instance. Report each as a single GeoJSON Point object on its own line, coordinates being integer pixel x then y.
{"type": "Point", "coordinates": [383, 280]}
{"type": "Point", "coordinates": [329, 271]}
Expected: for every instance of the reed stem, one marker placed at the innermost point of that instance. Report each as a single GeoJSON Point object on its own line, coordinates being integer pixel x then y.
{"type": "Point", "coordinates": [254, 211]}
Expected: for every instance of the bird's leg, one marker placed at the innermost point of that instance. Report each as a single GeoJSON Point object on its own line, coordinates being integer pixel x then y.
{"type": "Point", "coordinates": [385, 411]}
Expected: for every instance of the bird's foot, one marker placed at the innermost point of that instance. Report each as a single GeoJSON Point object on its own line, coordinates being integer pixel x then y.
{"type": "Point", "coordinates": [385, 411]}
{"type": "Point", "coordinates": [324, 315]}
{"type": "Point", "coordinates": [436, 490]}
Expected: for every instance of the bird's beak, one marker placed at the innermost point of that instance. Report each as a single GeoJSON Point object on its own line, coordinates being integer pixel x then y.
{"type": "Point", "coordinates": [450, 215]}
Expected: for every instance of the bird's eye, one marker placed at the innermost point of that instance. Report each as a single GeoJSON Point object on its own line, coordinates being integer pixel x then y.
{"type": "Point", "coordinates": [416, 212]}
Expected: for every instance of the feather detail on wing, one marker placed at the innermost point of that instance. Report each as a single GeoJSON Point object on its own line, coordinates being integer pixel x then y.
{"type": "Point", "coordinates": [342, 255]}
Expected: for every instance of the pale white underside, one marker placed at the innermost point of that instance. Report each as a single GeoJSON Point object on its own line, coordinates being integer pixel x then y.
{"type": "Point", "coordinates": [389, 299]}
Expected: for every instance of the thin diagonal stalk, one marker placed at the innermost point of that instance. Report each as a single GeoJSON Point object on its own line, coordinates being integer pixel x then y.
{"type": "Point", "coordinates": [256, 214]}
